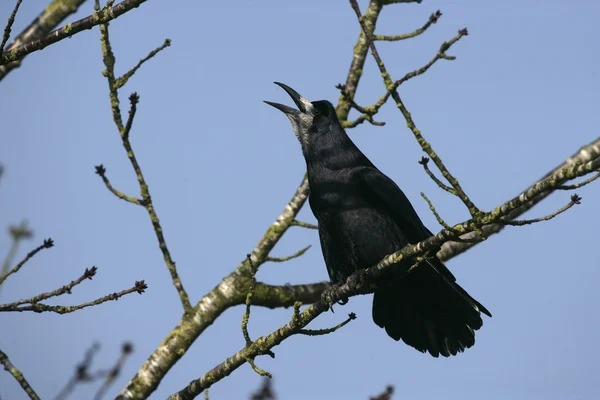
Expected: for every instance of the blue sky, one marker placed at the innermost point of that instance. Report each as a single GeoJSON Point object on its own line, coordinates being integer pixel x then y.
{"type": "Point", "coordinates": [519, 99]}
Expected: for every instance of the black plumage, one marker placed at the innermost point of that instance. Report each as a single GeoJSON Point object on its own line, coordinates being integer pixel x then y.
{"type": "Point", "coordinates": [363, 216]}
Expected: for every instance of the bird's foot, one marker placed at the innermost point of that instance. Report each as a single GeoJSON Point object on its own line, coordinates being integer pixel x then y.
{"type": "Point", "coordinates": [343, 301]}
{"type": "Point", "coordinates": [329, 295]}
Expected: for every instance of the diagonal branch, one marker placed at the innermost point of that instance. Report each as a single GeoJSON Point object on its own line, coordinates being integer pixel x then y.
{"type": "Point", "coordinates": [9, 24]}
{"type": "Point", "coordinates": [100, 17]}
{"type": "Point", "coordinates": [18, 375]}
{"type": "Point", "coordinates": [45, 245]}
{"type": "Point", "coordinates": [586, 155]}
{"type": "Point", "coordinates": [124, 131]}
{"type": "Point", "coordinates": [426, 146]}
{"type": "Point", "coordinates": [49, 19]}
{"type": "Point", "coordinates": [575, 199]}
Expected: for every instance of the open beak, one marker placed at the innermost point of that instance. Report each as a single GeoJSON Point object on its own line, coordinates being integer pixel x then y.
{"type": "Point", "coordinates": [303, 105]}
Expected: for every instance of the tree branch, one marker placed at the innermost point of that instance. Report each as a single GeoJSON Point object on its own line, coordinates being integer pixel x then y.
{"type": "Point", "coordinates": [124, 130]}
{"type": "Point", "coordinates": [433, 18]}
{"type": "Point", "coordinates": [36, 306]}
{"type": "Point", "coordinates": [49, 19]}
{"type": "Point", "coordinates": [9, 24]}
{"type": "Point", "coordinates": [18, 375]}
{"type": "Point", "coordinates": [390, 85]}
{"type": "Point", "coordinates": [586, 155]}
{"type": "Point", "coordinates": [46, 245]}
{"type": "Point", "coordinates": [103, 16]}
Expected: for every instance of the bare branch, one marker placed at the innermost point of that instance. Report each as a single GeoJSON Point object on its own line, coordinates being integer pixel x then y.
{"type": "Point", "coordinates": [575, 199]}
{"type": "Point", "coordinates": [18, 375]}
{"type": "Point", "coordinates": [17, 234]}
{"type": "Point", "coordinates": [119, 82]}
{"type": "Point", "coordinates": [386, 395]}
{"type": "Point", "coordinates": [100, 17]}
{"type": "Point", "coordinates": [424, 161]}
{"type": "Point", "coordinates": [580, 184]}
{"type": "Point", "coordinates": [303, 224]}
{"type": "Point", "coordinates": [101, 171]}
{"type": "Point", "coordinates": [231, 291]}
{"type": "Point", "coordinates": [290, 257]}
{"type": "Point", "coordinates": [115, 371]}
{"type": "Point", "coordinates": [433, 18]}
{"type": "Point", "coordinates": [320, 332]}
{"type": "Point", "coordinates": [82, 373]}
{"type": "Point", "coordinates": [36, 306]}
{"type": "Point", "coordinates": [426, 146]}
{"type": "Point", "coordinates": [124, 131]}
{"type": "Point", "coordinates": [49, 19]}
{"type": "Point", "coordinates": [440, 220]}
{"type": "Point", "coordinates": [586, 156]}
{"type": "Point", "coordinates": [9, 24]}
{"type": "Point", "coordinates": [358, 61]}
{"type": "Point", "coordinates": [46, 245]}
{"type": "Point", "coordinates": [246, 317]}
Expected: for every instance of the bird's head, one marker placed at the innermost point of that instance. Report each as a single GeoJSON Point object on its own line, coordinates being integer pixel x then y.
{"type": "Point", "coordinates": [310, 118]}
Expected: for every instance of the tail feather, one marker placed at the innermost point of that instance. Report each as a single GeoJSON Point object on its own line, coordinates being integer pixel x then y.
{"type": "Point", "coordinates": [429, 311]}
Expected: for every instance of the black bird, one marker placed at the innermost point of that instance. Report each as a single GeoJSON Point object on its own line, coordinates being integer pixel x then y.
{"type": "Point", "coordinates": [363, 216]}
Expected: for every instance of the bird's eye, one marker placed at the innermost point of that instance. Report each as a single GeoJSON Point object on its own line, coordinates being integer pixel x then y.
{"type": "Point", "coordinates": [316, 111]}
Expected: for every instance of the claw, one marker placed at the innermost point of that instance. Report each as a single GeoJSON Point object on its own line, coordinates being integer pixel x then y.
{"type": "Point", "coordinates": [327, 297]}
{"type": "Point", "coordinates": [343, 302]}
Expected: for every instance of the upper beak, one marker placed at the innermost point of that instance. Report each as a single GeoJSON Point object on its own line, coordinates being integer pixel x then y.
{"type": "Point", "coordinates": [303, 105]}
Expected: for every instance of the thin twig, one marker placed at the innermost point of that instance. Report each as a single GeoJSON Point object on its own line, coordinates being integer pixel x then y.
{"type": "Point", "coordinates": [320, 332]}
{"type": "Point", "coordinates": [9, 24]}
{"type": "Point", "coordinates": [45, 245]}
{"type": "Point", "coordinates": [246, 317]}
{"type": "Point", "coordinates": [575, 199]}
{"type": "Point", "coordinates": [433, 18]}
{"type": "Point", "coordinates": [424, 161]}
{"type": "Point", "coordinates": [258, 370]}
{"type": "Point", "coordinates": [290, 257]}
{"type": "Point", "coordinates": [18, 375]}
{"type": "Point", "coordinates": [580, 184]}
{"type": "Point", "coordinates": [36, 306]}
{"type": "Point", "coordinates": [17, 234]}
{"type": "Point", "coordinates": [101, 171]}
{"type": "Point", "coordinates": [82, 373]}
{"type": "Point", "coordinates": [435, 213]}
{"type": "Point", "coordinates": [303, 224]}
{"type": "Point", "coordinates": [115, 371]}
{"type": "Point", "coordinates": [119, 82]}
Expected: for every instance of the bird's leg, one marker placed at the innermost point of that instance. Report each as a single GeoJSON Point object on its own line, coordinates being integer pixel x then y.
{"type": "Point", "coordinates": [327, 297]}
{"type": "Point", "coordinates": [330, 294]}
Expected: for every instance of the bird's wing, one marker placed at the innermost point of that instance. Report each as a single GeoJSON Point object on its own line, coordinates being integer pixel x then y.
{"type": "Point", "coordinates": [384, 193]}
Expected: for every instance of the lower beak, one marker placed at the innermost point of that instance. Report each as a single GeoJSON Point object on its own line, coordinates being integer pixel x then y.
{"type": "Point", "coordinates": [285, 109]}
